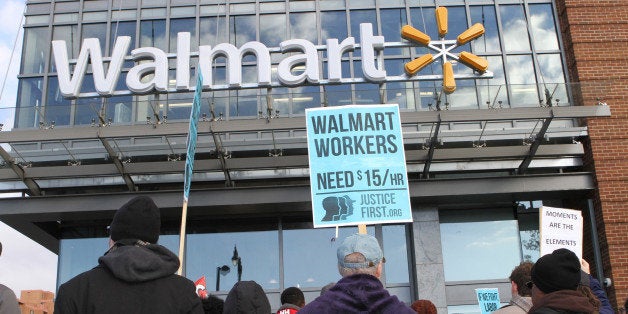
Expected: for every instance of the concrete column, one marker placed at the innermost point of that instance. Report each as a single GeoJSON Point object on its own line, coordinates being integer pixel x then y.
{"type": "Point", "coordinates": [430, 273]}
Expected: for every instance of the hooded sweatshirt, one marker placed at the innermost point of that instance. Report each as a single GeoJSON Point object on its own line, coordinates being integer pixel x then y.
{"type": "Point", "coordinates": [359, 293]}
{"type": "Point", "coordinates": [562, 301]}
{"type": "Point", "coordinates": [130, 278]}
{"type": "Point", "coordinates": [246, 297]}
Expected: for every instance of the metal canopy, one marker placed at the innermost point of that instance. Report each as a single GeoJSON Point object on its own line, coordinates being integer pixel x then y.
{"type": "Point", "coordinates": [257, 165]}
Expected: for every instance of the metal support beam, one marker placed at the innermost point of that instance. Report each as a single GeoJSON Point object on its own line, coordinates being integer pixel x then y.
{"type": "Point", "coordinates": [116, 161]}
{"type": "Point", "coordinates": [245, 125]}
{"type": "Point", "coordinates": [523, 167]}
{"type": "Point", "coordinates": [32, 186]}
{"type": "Point", "coordinates": [430, 152]}
{"type": "Point", "coordinates": [220, 151]}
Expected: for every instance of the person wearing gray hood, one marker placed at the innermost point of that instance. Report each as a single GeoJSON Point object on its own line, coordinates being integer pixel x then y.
{"type": "Point", "coordinates": [136, 275]}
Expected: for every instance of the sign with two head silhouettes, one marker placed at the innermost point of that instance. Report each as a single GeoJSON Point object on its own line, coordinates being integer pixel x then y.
{"type": "Point", "coordinates": [357, 165]}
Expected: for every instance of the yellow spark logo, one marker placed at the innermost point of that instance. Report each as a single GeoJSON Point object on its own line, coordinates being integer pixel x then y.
{"type": "Point", "coordinates": [443, 48]}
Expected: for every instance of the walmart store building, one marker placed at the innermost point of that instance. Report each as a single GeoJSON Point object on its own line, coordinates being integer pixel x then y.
{"type": "Point", "coordinates": [527, 132]}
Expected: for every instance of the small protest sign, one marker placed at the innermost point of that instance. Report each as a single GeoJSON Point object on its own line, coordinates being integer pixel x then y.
{"type": "Point", "coordinates": [560, 228]}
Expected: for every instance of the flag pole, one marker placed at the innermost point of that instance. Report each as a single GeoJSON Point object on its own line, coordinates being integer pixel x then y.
{"type": "Point", "coordinates": [189, 166]}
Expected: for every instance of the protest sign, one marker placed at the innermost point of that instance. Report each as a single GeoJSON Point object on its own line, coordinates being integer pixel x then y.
{"type": "Point", "coordinates": [560, 228]}
{"type": "Point", "coordinates": [488, 298]}
{"type": "Point", "coordinates": [357, 165]}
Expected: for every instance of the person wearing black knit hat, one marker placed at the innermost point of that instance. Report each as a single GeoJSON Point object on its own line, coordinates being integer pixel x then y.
{"type": "Point", "coordinates": [136, 275]}
{"type": "Point", "coordinates": [555, 280]}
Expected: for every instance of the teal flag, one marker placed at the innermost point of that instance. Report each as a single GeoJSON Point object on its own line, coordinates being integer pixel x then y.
{"type": "Point", "coordinates": [191, 142]}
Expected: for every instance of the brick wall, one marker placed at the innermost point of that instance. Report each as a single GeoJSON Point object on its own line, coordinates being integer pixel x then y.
{"type": "Point", "coordinates": [595, 37]}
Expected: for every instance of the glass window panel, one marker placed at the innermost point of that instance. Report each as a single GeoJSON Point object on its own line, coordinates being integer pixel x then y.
{"type": "Point", "coordinates": [98, 30]}
{"type": "Point", "coordinates": [392, 21]}
{"type": "Point", "coordinates": [400, 93]}
{"type": "Point", "coordinates": [182, 25]}
{"type": "Point", "coordinates": [153, 13]}
{"type": "Point", "coordinates": [361, 4]}
{"type": "Point", "coordinates": [35, 50]}
{"type": "Point", "coordinates": [65, 18]}
{"type": "Point", "coordinates": [515, 31]}
{"type": "Point", "coordinates": [390, 3]}
{"type": "Point", "coordinates": [272, 29]}
{"type": "Point", "coordinates": [281, 100]}
{"type": "Point", "coordinates": [333, 25]}
{"type": "Point", "coordinates": [303, 5]}
{"type": "Point", "coordinates": [312, 249]}
{"type": "Point", "coordinates": [337, 95]}
{"type": "Point", "coordinates": [303, 26]}
{"type": "Point", "coordinates": [332, 4]}
{"type": "Point", "coordinates": [153, 34]}
{"type": "Point", "coordinates": [242, 8]}
{"type": "Point", "coordinates": [66, 6]}
{"type": "Point", "coordinates": [182, 11]}
{"type": "Point", "coordinates": [214, 31]}
{"type": "Point", "coordinates": [428, 93]}
{"type": "Point", "coordinates": [543, 27]}
{"type": "Point", "coordinates": [551, 68]}
{"type": "Point", "coordinates": [95, 5]}
{"type": "Point", "coordinates": [29, 102]}
{"type": "Point", "coordinates": [124, 4]}
{"type": "Point", "coordinates": [79, 255]}
{"type": "Point", "coordinates": [87, 108]}
{"type": "Point", "coordinates": [457, 20]}
{"type": "Point", "coordinates": [213, 250]}
{"type": "Point", "coordinates": [362, 16]}
{"type": "Point", "coordinates": [305, 97]}
{"type": "Point", "coordinates": [69, 33]}
{"type": "Point", "coordinates": [244, 103]}
{"type": "Point", "coordinates": [37, 19]}
{"type": "Point", "coordinates": [120, 108]}
{"type": "Point", "coordinates": [57, 107]}
{"type": "Point", "coordinates": [272, 7]}
{"type": "Point", "coordinates": [424, 19]}
{"type": "Point", "coordinates": [493, 90]}
{"type": "Point", "coordinates": [94, 16]}
{"type": "Point", "coordinates": [490, 40]}
{"type": "Point", "coordinates": [179, 106]}
{"type": "Point", "coordinates": [464, 97]}
{"type": "Point", "coordinates": [367, 93]}
{"type": "Point", "coordinates": [122, 29]}
{"type": "Point", "coordinates": [154, 3]}
{"type": "Point", "coordinates": [489, 238]}
{"type": "Point", "coordinates": [520, 74]}
{"type": "Point", "coordinates": [530, 235]}
{"type": "Point", "coordinates": [396, 253]}
{"type": "Point", "coordinates": [213, 10]}
{"type": "Point", "coordinates": [43, 8]}
{"type": "Point", "coordinates": [124, 15]}
{"type": "Point", "coordinates": [242, 29]}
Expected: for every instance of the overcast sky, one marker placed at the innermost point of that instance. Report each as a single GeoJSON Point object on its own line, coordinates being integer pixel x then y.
{"type": "Point", "coordinates": [24, 264]}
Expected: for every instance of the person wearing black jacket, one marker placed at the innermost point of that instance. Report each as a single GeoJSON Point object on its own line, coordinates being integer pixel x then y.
{"type": "Point", "coordinates": [135, 275]}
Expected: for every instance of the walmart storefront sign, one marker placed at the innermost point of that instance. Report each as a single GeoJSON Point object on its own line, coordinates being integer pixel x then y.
{"type": "Point", "coordinates": [154, 61]}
